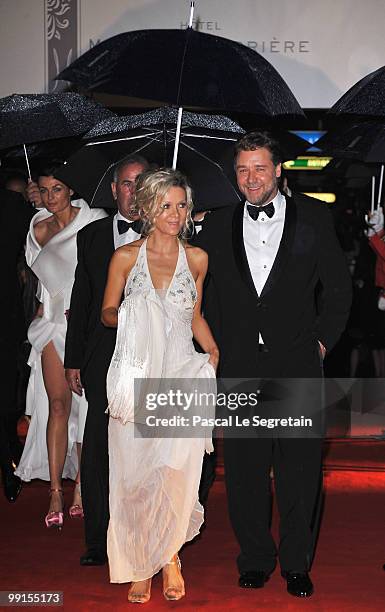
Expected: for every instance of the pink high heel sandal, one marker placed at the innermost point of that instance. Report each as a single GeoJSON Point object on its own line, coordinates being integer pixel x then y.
{"type": "Point", "coordinates": [76, 511]}
{"type": "Point", "coordinates": [55, 518]}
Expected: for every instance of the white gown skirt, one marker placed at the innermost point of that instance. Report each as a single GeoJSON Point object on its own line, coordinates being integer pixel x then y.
{"type": "Point", "coordinates": [34, 461]}
{"type": "Point", "coordinates": [154, 507]}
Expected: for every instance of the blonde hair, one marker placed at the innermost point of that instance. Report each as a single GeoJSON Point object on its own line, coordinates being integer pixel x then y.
{"type": "Point", "coordinates": [151, 187]}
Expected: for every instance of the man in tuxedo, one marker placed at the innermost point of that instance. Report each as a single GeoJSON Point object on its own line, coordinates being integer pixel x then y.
{"type": "Point", "coordinates": [267, 258]}
{"type": "Point", "coordinates": [90, 345]}
{"type": "Point", "coordinates": [15, 217]}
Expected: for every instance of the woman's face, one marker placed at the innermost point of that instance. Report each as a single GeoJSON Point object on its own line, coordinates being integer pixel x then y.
{"type": "Point", "coordinates": [172, 212]}
{"type": "Point", "coordinates": [56, 195]}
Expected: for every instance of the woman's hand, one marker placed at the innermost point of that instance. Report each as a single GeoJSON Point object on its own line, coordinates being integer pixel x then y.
{"type": "Point", "coordinates": [34, 195]}
{"type": "Point", "coordinates": [214, 358]}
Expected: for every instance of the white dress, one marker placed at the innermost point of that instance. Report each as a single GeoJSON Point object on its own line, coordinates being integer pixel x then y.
{"type": "Point", "coordinates": [54, 264]}
{"type": "Point", "coordinates": [154, 482]}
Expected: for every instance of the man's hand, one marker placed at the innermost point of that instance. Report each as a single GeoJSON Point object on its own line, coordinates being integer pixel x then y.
{"type": "Point", "coordinates": [375, 221]}
{"type": "Point", "coordinates": [34, 195]}
{"type": "Point", "coordinates": [73, 379]}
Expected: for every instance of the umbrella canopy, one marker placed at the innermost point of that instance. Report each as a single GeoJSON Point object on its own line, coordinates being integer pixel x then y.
{"type": "Point", "coordinates": [363, 141]}
{"type": "Point", "coordinates": [184, 68]}
{"type": "Point", "coordinates": [27, 118]}
{"type": "Point", "coordinates": [204, 139]}
{"type": "Point", "coordinates": [366, 97]}
{"type": "Point", "coordinates": [43, 153]}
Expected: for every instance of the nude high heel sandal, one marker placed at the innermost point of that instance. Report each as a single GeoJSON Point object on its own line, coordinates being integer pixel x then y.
{"type": "Point", "coordinates": [140, 596]}
{"type": "Point", "coordinates": [172, 592]}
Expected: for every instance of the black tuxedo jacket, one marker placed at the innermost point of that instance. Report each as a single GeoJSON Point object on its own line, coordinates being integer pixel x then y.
{"type": "Point", "coordinates": [86, 334]}
{"type": "Point", "coordinates": [286, 312]}
{"type": "Point", "coordinates": [15, 217]}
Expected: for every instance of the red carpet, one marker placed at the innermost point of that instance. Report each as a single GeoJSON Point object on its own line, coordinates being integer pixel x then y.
{"type": "Point", "coordinates": [347, 572]}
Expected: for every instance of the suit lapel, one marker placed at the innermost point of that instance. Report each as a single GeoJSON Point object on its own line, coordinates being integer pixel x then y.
{"type": "Point", "coordinates": [285, 246]}
{"type": "Point", "coordinates": [239, 249]}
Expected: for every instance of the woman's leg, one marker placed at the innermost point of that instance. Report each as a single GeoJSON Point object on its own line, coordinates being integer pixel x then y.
{"type": "Point", "coordinates": [77, 506]}
{"type": "Point", "coordinates": [59, 398]}
{"type": "Point", "coordinates": [173, 583]}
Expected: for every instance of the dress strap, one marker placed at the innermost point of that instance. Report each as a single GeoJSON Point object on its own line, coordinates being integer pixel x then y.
{"type": "Point", "coordinates": [138, 277]}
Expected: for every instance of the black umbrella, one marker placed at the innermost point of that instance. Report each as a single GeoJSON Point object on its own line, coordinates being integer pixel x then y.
{"type": "Point", "coordinates": [203, 140]}
{"type": "Point", "coordinates": [42, 153]}
{"type": "Point", "coordinates": [29, 118]}
{"type": "Point", "coordinates": [184, 68]}
{"type": "Point", "coordinates": [366, 97]}
{"type": "Point", "coordinates": [363, 141]}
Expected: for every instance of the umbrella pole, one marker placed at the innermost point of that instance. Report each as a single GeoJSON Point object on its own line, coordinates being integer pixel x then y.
{"type": "Point", "coordinates": [380, 186]}
{"type": "Point", "coordinates": [373, 189]}
{"type": "Point", "coordinates": [177, 138]}
{"type": "Point", "coordinates": [27, 160]}
{"type": "Point", "coordinates": [180, 110]}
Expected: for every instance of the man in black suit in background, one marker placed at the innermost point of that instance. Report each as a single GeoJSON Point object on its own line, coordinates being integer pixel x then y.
{"type": "Point", "coordinates": [15, 217]}
{"type": "Point", "coordinates": [266, 258]}
{"type": "Point", "coordinates": [90, 345]}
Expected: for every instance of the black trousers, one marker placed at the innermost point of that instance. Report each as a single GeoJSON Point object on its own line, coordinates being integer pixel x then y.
{"type": "Point", "coordinates": [8, 404]}
{"type": "Point", "coordinates": [94, 463]}
{"type": "Point", "coordinates": [297, 467]}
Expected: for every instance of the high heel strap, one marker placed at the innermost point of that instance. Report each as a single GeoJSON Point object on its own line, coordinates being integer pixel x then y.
{"type": "Point", "coordinates": [176, 562]}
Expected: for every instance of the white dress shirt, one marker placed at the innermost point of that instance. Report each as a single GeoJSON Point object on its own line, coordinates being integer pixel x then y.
{"type": "Point", "coordinates": [127, 237]}
{"type": "Point", "coordinates": [262, 238]}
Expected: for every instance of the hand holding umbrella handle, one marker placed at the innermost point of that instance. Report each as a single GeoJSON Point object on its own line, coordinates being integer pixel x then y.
{"type": "Point", "coordinates": [33, 194]}
{"type": "Point", "coordinates": [375, 222]}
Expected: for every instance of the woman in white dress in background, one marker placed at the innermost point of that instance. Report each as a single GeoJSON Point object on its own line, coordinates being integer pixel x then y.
{"type": "Point", "coordinates": [52, 447]}
{"type": "Point", "coordinates": [154, 506]}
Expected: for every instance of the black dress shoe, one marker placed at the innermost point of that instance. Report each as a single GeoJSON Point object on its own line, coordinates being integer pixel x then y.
{"type": "Point", "coordinates": [11, 484]}
{"type": "Point", "coordinates": [252, 580]}
{"type": "Point", "coordinates": [299, 584]}
{"type": "Point", "coordinates": [93, 557]}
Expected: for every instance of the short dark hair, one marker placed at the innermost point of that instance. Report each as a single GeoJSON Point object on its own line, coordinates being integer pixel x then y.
{"type": "Point", "coordinates": [259, 140]}
{"type": "Point", "coordinates": [127, 161]}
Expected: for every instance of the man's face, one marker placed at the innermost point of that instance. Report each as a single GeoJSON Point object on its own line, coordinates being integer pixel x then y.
{"type": "Point", "coordinates": [124, 188]}
{"type": "Point", "coordinates": [257, 176]}
{"type": "Point", "coordinates": [17, 185]}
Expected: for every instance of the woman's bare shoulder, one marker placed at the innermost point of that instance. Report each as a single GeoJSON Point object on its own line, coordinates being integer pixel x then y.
{"type": "Point", "coordinates": [197, 258]}
{"type": "Point", "coordinates": [131, 248]}
{"type": "Point", "coordinates": [128, 252]}
{"type": "Point", "coordinates": [196, 253]}
{"type": "Point", "coordinates": [40, 229]}
{"type": "Point", "coordinates": [41, 225]}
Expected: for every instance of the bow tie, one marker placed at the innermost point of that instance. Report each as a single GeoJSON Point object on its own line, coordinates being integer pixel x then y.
{"type": "Point", "coordinates": [255, 210]}
{"type": "Point", "coordinates": [124, 226]}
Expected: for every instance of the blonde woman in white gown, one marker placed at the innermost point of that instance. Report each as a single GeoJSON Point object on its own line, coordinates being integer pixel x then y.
{"type": "Point", "coordinates": [57, 417]}
{"type": "Point", "coordinates": [154, 506]}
